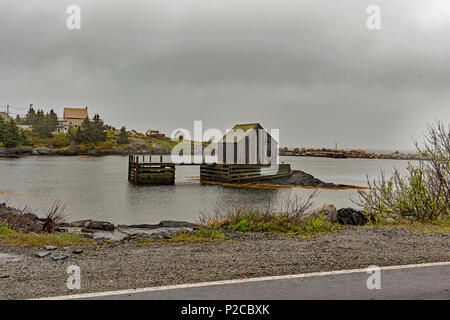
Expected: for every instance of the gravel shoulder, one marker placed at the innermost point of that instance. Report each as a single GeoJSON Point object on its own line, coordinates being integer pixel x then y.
{"type": "Point", "coordinates": [118, 266]}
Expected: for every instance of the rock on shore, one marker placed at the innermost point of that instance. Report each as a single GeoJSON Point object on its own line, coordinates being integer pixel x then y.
{"type": "Point", "coordinates": [300, 178]}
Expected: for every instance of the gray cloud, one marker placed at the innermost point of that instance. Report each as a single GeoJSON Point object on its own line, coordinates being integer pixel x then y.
{"type": "Point", "coordinates": [310, 68]}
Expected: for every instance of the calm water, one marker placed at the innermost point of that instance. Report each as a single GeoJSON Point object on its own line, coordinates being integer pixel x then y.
{"type": "Point", "coordinates": [98, 188]}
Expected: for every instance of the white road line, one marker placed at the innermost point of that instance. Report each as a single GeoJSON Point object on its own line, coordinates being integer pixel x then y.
{"type": "Point", "coordinates": [216, 283]}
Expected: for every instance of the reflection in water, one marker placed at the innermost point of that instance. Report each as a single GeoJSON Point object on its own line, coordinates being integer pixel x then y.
{"type": "Point", "coordinates": [98, 188]}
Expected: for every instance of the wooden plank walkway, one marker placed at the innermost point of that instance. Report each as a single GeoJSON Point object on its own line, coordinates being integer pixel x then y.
{"type": "Point", "coordinates": [161, 172]}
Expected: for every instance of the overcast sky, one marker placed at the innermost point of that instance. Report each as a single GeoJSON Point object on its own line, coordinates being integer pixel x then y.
{"type": "Point", "coordinates": [310, 68]}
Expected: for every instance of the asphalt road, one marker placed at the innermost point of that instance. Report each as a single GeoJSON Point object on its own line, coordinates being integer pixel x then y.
{"type": "Point", "coordinates": [403, 282]}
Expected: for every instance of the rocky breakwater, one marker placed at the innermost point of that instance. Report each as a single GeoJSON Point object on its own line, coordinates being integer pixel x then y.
{"type": "Point", "coordinates": [355, 153]}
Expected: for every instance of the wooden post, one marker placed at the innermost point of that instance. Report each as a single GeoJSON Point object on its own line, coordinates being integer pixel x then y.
{"type": "Point", "coordinates": [136, 172]}
{"type": "Point", "coordinates": [129, 166]}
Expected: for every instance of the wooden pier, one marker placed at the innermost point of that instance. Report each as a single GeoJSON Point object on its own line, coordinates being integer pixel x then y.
{"type": "Point", "coordinates": [157, 173]}
{"type": "Point", "coordinates": [143, 171]}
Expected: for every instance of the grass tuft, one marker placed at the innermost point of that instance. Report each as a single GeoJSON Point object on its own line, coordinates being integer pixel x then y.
{"type": "Point", "coordinates": [16, 238]}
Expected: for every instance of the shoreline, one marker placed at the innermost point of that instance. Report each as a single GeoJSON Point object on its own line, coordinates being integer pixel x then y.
{"type": "Point", "coordinates": [120, 257]}
{"type": "Point", "coordinates": [318, 153]}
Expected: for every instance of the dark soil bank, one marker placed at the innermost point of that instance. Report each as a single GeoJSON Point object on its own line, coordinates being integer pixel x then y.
{"type": "Point", "coordinates": [123, 266]}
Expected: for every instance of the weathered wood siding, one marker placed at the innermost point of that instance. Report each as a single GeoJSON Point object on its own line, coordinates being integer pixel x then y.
{"type": "Point", "coordinates": [253, 149]}
{"type": "Point", "coordinates": [243, 173]}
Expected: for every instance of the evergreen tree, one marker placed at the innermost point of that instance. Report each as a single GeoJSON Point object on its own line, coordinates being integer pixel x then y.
{"type": "Point", "coordinates": [84, 132]}
{"type": "Point", "coordinates": [42, 125]}
{"type": "Point", "coordinates": [53, 117]}
{"type": "Point", "coordinates": [78, 136]}
{"type": "Point", "coordinates": [18, 119]}
{"type": "Point", "coordinates": [71, 133]}
{"type": "Point", "coordinates": [98, 133]}
{"type": "Point", "coordinates": [2, 129]}
{"type": "Point", "coordinates": [31, 114]}
{"type": "Point", "coordinates": [11, 136]}
{"type": "Point", "coordinates": [123, 137]}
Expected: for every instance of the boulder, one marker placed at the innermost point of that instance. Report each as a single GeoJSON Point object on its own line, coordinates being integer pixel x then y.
{"type": "Point", "coordinates": [75, 224]}
{"type": "Point", "coordinates": [175, 224]}
{"type": "Point", "coordinates": [42, 254]}
{"type": "Point", "coordinates": [41, 151]}
{"type": "Point", "coordinates": [61, 256]}
{"type": "Point", "coordinates": [99, 225]}
{"type": "Point", "coordinates": [350, 216]}
{"type": "Point", "coordinates": [50, 248]}
{"type": "Point", "coordinates": [328, 211]}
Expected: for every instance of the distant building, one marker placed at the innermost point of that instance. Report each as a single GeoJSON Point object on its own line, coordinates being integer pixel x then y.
{"type": "Point", "coordinates": [25, 127]}
{"type": "Point", "coordinates": [4, 115]}
{"type": "Point", "coordinates": [74, 116]}
{"type": "Point", "coordinates": [62, 126]}
{"type": "Point", "coordinates": [155, 134]}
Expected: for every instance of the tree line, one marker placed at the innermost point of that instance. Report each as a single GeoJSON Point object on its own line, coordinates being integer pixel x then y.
{"type": "Point", "coordinates": [44, 124]}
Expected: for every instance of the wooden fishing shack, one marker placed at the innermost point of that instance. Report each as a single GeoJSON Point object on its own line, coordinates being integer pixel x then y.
{"type": "Point", "coordinates": [246, 153]}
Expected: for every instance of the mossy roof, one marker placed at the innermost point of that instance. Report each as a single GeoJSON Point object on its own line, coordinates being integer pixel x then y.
{"type": "Point", "coordinates": [240, 131]}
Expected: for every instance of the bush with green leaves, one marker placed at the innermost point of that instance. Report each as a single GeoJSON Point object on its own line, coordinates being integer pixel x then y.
{"type": "Point", "coordinates": [424, 192]}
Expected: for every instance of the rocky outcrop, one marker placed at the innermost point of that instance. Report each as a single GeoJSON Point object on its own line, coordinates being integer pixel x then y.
{"type": "Point", "coordinates": [300, 178]}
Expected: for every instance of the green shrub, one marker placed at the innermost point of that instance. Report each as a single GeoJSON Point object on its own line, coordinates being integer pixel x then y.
{"type": "Point", "coordinates": [424, 193]}
{"type": "Point", "coordinates": [61, 140]}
